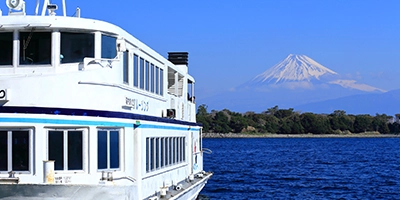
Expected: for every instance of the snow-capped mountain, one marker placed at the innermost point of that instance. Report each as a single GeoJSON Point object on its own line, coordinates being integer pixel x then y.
{"type": "Point", "coordinates": [293, 68]}
{"type": "Point", "coordinates": [302, 72]}
{"type": "Point", "coordinates": [296, 80]}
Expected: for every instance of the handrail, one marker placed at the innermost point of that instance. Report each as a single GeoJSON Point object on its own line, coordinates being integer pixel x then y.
{"type": "Point", "coordinates": [206, 150]}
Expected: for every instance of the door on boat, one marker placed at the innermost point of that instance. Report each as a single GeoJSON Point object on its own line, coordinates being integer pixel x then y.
{"type": "Point", "coordinates": [197, 156]}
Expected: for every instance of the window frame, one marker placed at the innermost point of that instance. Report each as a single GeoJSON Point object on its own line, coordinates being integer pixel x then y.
{"type": "Point", "coordinates": [39, 54]}
{"type": "Point", "coordinates": [85, 50]}
{"type": "Point", "coordinates": [141, 73]}
{"type": "Point", "coordinates": [109, 130]}
{"type": "Point", "coordinates": [108, 46]}
{"type": "Point", "coordinates": [11, 51]}
{"type": "Point", "coordinates": [9, 151]}
{"type": "Point", "coordinates": [164, 152]}
{"type": "Point", "coordinates": [147, 76]}
{"type": "Point", "coordinates": [135, 70]}
{"type": "Point", "coordinates": [85, 146]}
{"type": "Point", "coordinates": [125, 70]}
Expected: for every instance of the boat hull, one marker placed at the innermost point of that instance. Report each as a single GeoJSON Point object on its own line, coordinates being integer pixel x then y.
{"type": "Point", "coordinates": [108, 191]}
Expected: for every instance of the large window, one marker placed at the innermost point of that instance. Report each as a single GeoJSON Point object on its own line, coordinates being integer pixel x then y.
{"type": "Point", "coordinates": [157, 80]}
{"type": "Point", "coordinates": [6, 44]}
{"type": "Point", "coordinates": [76, 46]}
{"type": "Point", "coordinates": [108, 149]}
{"type": "Point", "coordinates": [152, 78]}
{"type": "Point", "coordinates": [147, 75]}
{"type": "Point", "coordinates": [35, 48]}
{"type": "Point", "coordinates": [162, 152]}
{"type": "Point", "coordinates": [161, 82]}
{"type": "Point", "coordinates": [108, 47]}
{"type": "Point", "coordinates": [126, 67]}
{"type": "Point", "coordinates": [135, 70]}
{"type": "Point", "coordinates": [14, 150]}
{"type": "Point", "coordinates": [66, 149]}
{"type": "Point", "coordinates": [141, 73]}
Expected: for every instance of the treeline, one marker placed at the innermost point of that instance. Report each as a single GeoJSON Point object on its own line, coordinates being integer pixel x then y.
{"type": "Point", "coordinates": [288, 121]}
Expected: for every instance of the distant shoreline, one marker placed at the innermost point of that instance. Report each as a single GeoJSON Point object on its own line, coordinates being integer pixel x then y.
{"type": "Point", "coordinates": [358, 135]}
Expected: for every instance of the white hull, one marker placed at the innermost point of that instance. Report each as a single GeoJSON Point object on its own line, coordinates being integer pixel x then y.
{"type": "Point", "coordinates": [190, 191]}
{"type": "Point", "coordinates": [87, 111]}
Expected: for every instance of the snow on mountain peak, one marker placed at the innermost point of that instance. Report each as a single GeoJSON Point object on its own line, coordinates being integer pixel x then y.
{"type": "Point", "coordinates": [294, 68]}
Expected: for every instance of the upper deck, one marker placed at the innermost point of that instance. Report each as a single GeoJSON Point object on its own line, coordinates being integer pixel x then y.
{"type": "Point", "coordinates": [85, 58]}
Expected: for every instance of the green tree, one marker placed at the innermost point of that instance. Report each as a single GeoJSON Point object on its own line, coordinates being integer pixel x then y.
{"type": "Point", "coordinates": [380, 123]}
{"type": "Point", "coordinates": [340, 121]}
{"type": "Point", "coordinates": [204, 118]}
{"type": "Point", "coordinates": [363, 123]}
{"type": "Point", "coordinates": [316, 124]}
{"type": "Point", "coordinates": [271, 124]}
{"type": "Point", "coordinates": [220, 122]}
{"type": "Point", "coordinates": [237, 122]}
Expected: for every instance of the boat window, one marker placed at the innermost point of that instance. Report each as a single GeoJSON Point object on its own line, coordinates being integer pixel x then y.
{"type": "Point", "coordinates": [35, 48]}
{"type": "Point", "coordinates": [147, 75]}
{"type": "Point", "coordinates": [141, 73]}
{"type": "Point", "coordinates": [76, 46]}
{"type": "Point", "coordinates": [108, 149]}
{"type": "Point", "coordinates": [6, 43]}
{"type": "Point", "coordinates": [150, 154]}
{"type": "Point", "coordinates": [183, 149]}
{"type": "Point", "coordinates": [147, 154]}
{"type": "Point", "coordinates": [14, 148]}
{"type": "Point", "coordinates": [135, 70]}
{"type": "Point", "coordinates": [162, 155]}
{"type": "Point", "coordinates": [126, 67]}
{"type": "Point", "coordinates": [157, 80]}
{"type": "Point", "coordinates": [161, 82]}
{"type": "Point", "coordinates": [152, 78]}
{"type": "Point", "coordinates": [66, 149]}
{"type": "Point", "coordinates": [190, 88]}
{"type": "Point", "coordinates": [108, 47]}
{"type": "Point", "coordinates": [171, 151]}
{"type": "Point", "coordinates": [3, 151]}
{"type": "Point", "coordinates": [157, 152]}
{"type": "Point", "coordinates": [163, 152]}
{"type": "Point", "coordinates": [174, 83]}
{"type": "Point", "coordinates": [75, 159]}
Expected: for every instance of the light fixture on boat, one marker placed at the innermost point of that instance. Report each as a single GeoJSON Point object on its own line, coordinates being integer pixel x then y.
{"type": "Point", "coordinates": [51, 8]}
{"type": "Point", "coordinates": [178, 187]}
{"type": "Point", "coordinates": [16, 5]}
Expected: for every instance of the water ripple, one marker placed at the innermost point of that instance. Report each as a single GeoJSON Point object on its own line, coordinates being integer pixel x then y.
{"type": "Point", "coordinates": [303, 168]}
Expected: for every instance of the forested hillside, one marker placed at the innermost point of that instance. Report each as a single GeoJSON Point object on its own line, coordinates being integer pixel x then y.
{"type": "Point", "coordinates": [289, 121]}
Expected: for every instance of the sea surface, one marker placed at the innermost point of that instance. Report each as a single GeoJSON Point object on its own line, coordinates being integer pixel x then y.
{"type": "Point", "coordinates": [302, 168]}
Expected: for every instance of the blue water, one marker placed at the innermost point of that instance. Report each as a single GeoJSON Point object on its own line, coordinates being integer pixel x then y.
{"type": "Point", "coordinates": [303, 168]}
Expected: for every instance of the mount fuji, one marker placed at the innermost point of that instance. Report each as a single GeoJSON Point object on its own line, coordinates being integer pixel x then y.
{"type": "Point", "coordinates": [302, 72]}
{"type": "Point", "coordinates": [296, 80]}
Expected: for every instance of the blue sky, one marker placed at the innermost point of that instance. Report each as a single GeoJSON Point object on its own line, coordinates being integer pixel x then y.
{"type": "Point", "coordinates": [231, 41]}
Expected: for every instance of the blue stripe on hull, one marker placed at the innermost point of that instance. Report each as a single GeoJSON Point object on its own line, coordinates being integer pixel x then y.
{"type": "Point", "coordinates": [92, 113]}
{"type": "Point", "coordinates": [95, 123]}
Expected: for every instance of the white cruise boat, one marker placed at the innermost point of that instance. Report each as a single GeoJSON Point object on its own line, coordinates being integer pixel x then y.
{"type": "Point", "coordinates": [87, 111]}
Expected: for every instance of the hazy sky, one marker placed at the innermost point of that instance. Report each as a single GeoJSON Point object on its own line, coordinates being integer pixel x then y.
{"type": "Point", "coordinates": [231, 41]}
